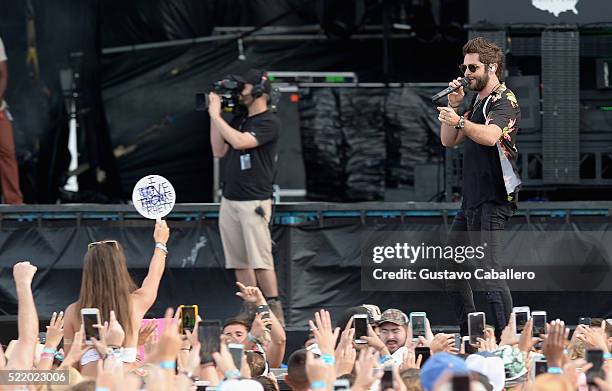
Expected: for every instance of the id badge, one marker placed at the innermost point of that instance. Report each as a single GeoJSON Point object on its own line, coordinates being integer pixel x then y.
{"type": "Point", "coordinates": [245, 161]}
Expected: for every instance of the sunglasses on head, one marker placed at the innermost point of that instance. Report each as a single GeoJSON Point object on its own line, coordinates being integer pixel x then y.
{"type": "Point", "coordinates": [472, 67]}
{"type": "Point", "coordinates": [113, 243]}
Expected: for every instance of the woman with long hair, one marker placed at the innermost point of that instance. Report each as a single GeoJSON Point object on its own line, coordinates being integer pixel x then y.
{"type": "Point", "coordinates": [107, 285]}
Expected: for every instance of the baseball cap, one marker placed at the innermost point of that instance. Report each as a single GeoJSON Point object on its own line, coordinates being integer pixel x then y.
{"type": "Point", "coordinates": [437, 365]}
{"type": "Point", "coordinates": [395, 316]}
{"type": "Point", "coordinates": [254, 76]}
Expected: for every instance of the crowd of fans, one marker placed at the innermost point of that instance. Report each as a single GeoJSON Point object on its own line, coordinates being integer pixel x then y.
{"type": "Point", "coordinates": [130, 356]}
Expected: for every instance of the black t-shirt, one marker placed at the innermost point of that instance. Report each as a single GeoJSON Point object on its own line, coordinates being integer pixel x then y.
{"type": "Point", "coordinates": [490, 173]}
{"type": "Point", "coordinates": [247, 175]}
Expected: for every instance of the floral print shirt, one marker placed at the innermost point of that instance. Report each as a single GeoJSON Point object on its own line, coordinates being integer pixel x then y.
{"type": "Point", "coordinates": [490, 173]}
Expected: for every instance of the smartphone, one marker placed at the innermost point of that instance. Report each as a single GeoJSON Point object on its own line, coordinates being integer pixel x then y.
{"type": "Point", "coordinates": [189, 315]}
{"type": "Point", "coordinates": [387, 379]}
{"type": "Point", "coordinates": [461, 383]}
{"type": "Point", "coordinates": [265, 311]}
{"type": "Point", "coordinates": [417, 320]}
{"type": "Point", "coordinates": [457, 341]}
{"type": "Point", "coordinates": [539, 322]}
{"type": "Point", "coordinates": [90, 317]}
{"type": "Point", "coordinates": [585, 321]}
{"type": "Point", "coordinates": [236, 352]}
{"type": "Point", "coordinates": [209, 334]}
{"type": "Point", "coordinates": [201, 102]}
{"type": "Point", "coordinates": [521, 316]}
{"type": "Point", "coordinates": [595, 357]}
{"type": "Point", "coordinates": [476, 326]}
{"type": "Point", "coordinates": [342, 385]}
{"type": "Point", "coordinates": [539, 366]}
{"type": "Point", "coordinates": [201, 385]}
{"type": "Point", "coordinates": [360, 321]}
{"type": "Point", "coordinates": [423, 351]}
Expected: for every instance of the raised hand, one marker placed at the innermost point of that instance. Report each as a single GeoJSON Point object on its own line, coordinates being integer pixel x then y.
{"type": "Point", "coordinates": [554, 343]}
{"type": "Point", "coordinates": [55, 330]}
{"type": "Point", "coordinates": [323, 332]}
{"type": "Point", "coordinates": [162, 232]}
{"type": "Point", "coordinates": [23, 273]}
{"type": "Point", "coordinates": [250, 294]}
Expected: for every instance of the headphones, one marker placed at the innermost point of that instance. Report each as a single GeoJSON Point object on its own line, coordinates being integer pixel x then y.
{"type": "Point", "coordinates": [260, 88]}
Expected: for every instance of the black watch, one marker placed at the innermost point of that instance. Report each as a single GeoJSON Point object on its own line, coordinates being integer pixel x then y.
{"type": "Point", "coordinates": [461, 123]}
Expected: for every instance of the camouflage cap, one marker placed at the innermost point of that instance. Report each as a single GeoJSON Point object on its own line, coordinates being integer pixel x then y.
{"type": "Point", "coordinates": [393, 315]}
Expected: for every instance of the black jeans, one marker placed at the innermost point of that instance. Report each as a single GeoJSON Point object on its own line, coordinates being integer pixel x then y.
{"type": "Point", "coordinates": [484, 223]}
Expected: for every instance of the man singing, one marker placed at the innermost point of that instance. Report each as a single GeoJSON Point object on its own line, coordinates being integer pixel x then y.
{"type": "Point", "coordinates": [490, 176]}
{"type": "Point", "coordinates": [9, 176]}
{"type": "Point", "coordinates": [248, 151]}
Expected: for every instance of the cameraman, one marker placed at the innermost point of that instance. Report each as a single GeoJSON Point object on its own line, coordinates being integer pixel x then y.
{"type": "Point", "coordinates": [247, 148]}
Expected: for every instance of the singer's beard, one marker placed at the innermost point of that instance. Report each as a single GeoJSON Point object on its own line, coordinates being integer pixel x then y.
{"type": "Point", "coordinates": [481, 82]}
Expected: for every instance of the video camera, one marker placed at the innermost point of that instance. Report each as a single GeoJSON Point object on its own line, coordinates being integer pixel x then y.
{"type": "Point", "coordinates": [228, 89]}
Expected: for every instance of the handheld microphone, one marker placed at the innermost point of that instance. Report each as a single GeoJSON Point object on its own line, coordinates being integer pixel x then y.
{"type": "Point", "coordinates": [464, 82]}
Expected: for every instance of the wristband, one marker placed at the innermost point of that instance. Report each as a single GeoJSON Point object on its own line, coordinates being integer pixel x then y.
{"type": "Point", "coordinates": [607, 356]}
{"type": "Point", "coordinates": [47, 356]}
{"type": "Point", "coordinates": [102, 389]}
{"type": "Point", "coordinates": [555, 370]}
{"type": "Point", "coordinates": [49, 350]}
{"type": "Point", "coordinates": [328, 359]}
{"type": "Point", "coordinates": [318, 385]}
{"type": "Point", "coordinates": [232, 374]}
{"type": "Point", "coordinates": [167, 364]}
{"type": "Point", "coordinates": [161, 246]}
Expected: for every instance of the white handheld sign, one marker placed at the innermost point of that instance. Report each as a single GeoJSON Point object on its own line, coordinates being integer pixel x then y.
{"type": "Point", "coordinates": [153, 197]}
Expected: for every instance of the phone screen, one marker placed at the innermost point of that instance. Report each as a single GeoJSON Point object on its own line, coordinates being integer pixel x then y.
{"type": "Point", "coordinates": [201, 102]}
{"type": "Point", "coordinates": [188, 317]}
{"type": "Point", "coordinates": [461, 383]}
{"type": "Point", "coordinates": [476, 326]}
{"type": "Point", "coordinates": [209, 333]}
{"type": "Point", "coordinates": [236, 352]}
{"type": "Point", "coordinates": [89, 320]}
{"type": "Point", "coordinates": [422, 351]}
{"type": "Point", "coordinates": [387, 379]}
{"type": "Point", "coordinates": [341, 385]}
{"type": "Point", "coordinates": [361, 327]}
{"type": "Point", "coordinates": [521, 319]}
{"type": "Point", "coordinates": [539, 324]}
{"type": "Point", "coordinates": [541, 367]}
{"type": "Point", "coordinates": [595, 357]}
{"type": "Point", "coordinates": [418, 325]}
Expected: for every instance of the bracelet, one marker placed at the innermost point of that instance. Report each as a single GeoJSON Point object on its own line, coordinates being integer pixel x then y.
{"type": "Point", "coordinates": [49, 350]}
{"type": "Point", "coordinates": [454, 107]}
{"type": "Point", "coordinates": [555, 370]}
{"type": "Point", "coordinates": [318, 385]}
{"type": "Point", "coordinates": [47, 356]}
{"type": "Point", "coordinates": [232, 374]}
{"type": "Point", "coordinates": [328, 359]}
{"type": "Point", "coordinates": [607, 356]}
{"type": "Point", "coordinates": [102, 389]}
{"type": "Point", "coordinates": [162, 247]}
{"type": "Point", "coordinates": [167, 364]}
